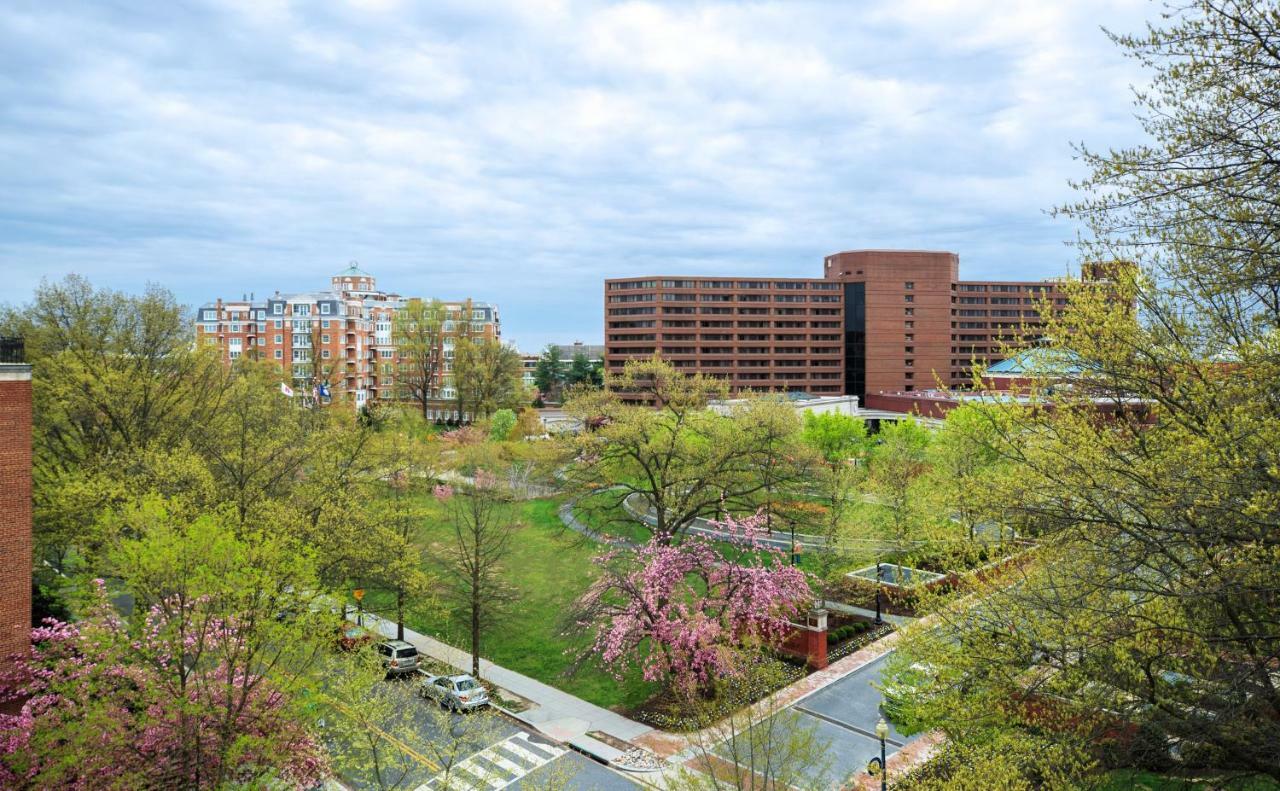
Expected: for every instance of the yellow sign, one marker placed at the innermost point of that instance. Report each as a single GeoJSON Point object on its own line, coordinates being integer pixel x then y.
{"type": "Point", "coordinates": [358, 593]}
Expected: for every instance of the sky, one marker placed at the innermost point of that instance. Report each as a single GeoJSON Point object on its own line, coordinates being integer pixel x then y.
{"type": "Point", "coordinates": [521, 151]}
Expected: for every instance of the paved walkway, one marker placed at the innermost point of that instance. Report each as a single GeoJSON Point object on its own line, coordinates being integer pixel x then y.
{"type": "Point", "coordinates": [557, 714]}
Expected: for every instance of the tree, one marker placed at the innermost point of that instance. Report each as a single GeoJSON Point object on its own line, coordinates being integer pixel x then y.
{"type": "Point", "coordinates": [681, 459]}
{"type": "Point", "coordinates": [474, 563]}
{"type": "Point", "coordinates": [837, 437]}
{"type": "Point", "coordinates": [548, 375]}
{"type": "Point", "coordinates": [502, 424]}
{"type": "Point", "coordinates": [487, 375]}
{"type": "Point", "coordinates": [681, 611]}
{"type": "Point", "coordinates": [101, 707]}
{"type": "Point", "coordinates": [368, 723]}
{"type": "Point", "coordinates": [581, 371]}
{"type": "Point", "coordinates": [114, 377]}
{"type": "Point", "coordinates": [419, 332]}
{"type": "Point", "coordinates": [1145, 615]}
{"type": "Point", "coordinates": [898, 459]}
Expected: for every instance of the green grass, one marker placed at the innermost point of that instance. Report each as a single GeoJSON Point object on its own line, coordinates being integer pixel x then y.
{"type": "Point", "coordinates": [549, 569]}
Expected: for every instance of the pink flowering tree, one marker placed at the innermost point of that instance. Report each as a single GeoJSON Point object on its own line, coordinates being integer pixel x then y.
{"type": "Point", "coordinates": [98, 708]}
{"type": "Point", "coordinates": [682, 611]}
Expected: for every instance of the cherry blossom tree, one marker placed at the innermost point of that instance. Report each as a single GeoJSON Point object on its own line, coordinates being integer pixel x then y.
{"type": "Point", "coordinates": [682, 611]}
{"type": "Point", "coordinates": [96, 711]}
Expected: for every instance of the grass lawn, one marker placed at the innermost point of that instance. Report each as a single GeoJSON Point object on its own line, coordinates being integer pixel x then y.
{"type": "Point", "coordinates": [549, 568]}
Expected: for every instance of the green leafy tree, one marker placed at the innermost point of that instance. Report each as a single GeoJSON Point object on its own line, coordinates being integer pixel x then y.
{"type": "Point", "coordinates": [682, 459]}
{"type": "Point", "coordinates": [898, 460]}
{"type": "Point", "coordinates": [548, 375]}
{"type": "Point", "coordinates": [1144, 616]}
{"type": "Point", "coordinates": [419, 332]}
{"type": "Point", "coordinates": [580, 371]}
{"type": "Point", "coordinates": [114, 377]}
{"type": "Point", "coordinates": [837, 437]}
{"type": "Point", "coordinates": [502, 424]}
{"type": "Point", "coordinates": [487, 376]}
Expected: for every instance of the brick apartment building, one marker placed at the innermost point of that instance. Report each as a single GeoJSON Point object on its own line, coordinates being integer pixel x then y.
{"type": "Point", "coordinates": [15, 500]}
{"type": "Point", "coordinates": [878, 320]}
{"type": "Point", "coordinates": [347, 329]}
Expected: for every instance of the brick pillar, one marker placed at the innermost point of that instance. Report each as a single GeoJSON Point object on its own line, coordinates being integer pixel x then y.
{"type": "Point", "coordinates": [816, 638]}
{"type": "Point", "coordinates": [15, 509]}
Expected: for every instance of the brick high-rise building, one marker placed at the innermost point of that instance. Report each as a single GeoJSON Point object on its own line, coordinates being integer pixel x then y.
{"type": "Point", "coordinates": [15, 500]}
{"type": "Point", "coordinates": [878, 320]}
{"type": "Point", "coordinates": [347, 329]}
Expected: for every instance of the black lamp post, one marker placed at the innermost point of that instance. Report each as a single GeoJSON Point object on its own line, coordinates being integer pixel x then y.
{"type": "Point", "coordinates": [882, 733]}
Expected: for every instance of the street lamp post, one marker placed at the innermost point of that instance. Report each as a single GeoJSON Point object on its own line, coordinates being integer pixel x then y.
{"type": "Point", "coordinates": [879, 621]}
{"type": "Point", "coordinates": [882, 733]}
{"type": "Point", "coordinates": [359, 594]}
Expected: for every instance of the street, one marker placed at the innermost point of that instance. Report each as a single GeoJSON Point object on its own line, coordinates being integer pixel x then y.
{"type": "Point", "coordinates": [845, 715]}
{"type": "Point", "coordinates": [511, 757]}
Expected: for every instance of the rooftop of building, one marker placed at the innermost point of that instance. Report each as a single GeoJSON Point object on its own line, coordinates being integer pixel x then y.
{"type": "Point", "coordinates": [353, 270]}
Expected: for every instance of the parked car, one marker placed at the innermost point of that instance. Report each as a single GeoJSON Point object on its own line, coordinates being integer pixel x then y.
{"type": "Point", "coordinates": [398, 657]}
{"type": "Point", "coordinates": [460, 692]}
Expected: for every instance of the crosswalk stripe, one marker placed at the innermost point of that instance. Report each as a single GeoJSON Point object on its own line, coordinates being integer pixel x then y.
{"type": "Point", "coordinates": [510, 766]}
{"type": "Point", "coordinates": [486, 770]}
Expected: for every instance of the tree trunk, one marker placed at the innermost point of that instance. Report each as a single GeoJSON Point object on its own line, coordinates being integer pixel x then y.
{"type": "Point", "coordinates": [400, 613]}
{"type": "Point", "coordinates": [475, 631]}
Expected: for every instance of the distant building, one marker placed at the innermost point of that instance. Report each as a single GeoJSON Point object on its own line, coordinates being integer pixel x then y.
{"type": "Point", "coordinates": [347, 329]}
{"type": "Point", "coordinates": [15, 500]}
{"type": "Point", "coordinates": [594, 353]}
{"type": "Point", "coordinates": [878, 320]}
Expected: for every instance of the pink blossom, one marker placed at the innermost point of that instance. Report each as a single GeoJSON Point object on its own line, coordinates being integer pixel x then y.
{"type": "Point", "coordinates": [442, 492]}
{"type": "Point", "coordinates": [680, 610]}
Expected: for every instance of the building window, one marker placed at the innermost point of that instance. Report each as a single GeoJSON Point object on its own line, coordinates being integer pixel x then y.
{"type": "Point", "coordinates": [909, 324]}
{"type": "Point", "coordinates": [908, 285]}
{"type": "Point", "coordinates": [324, 338]}
{"type": "Point", "coordinates": [324, 353]}
{"type": "Point", "coordinates": [279, 354]}
{"type": "Point", "coordinates": [909, 337]}
{"type": "Point", "coordinates": [324, 308]}
{"type": "Point", "coordinates": [909, 363]}
{"type": "Point", "coordinates": [909, 298]}
{"type": "Point", "coordinates": [909, 311]}
{"type": "Point", "coordinates": [278, 309]}
{"type": "Point", "coordinates": [910, 350]}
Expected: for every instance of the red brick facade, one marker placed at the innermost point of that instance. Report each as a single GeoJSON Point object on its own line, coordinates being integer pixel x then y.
{"type": "Point", "coordinates": [877, 321]}
{"type": "Point", "coordinates": [15, 508]}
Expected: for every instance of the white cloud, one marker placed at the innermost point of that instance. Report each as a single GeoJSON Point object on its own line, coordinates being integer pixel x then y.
{"type": "Point", "coordinates": [521, 152]}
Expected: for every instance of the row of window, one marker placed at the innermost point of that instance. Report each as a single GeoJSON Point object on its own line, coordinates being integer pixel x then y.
{"type": "Point", "coordinates": [784, 285]}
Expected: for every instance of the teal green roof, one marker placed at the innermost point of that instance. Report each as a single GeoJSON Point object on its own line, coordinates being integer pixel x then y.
{"type": "Point", "coordinates": [1038, 361]}
{"type": "Point", "coordinates": [353, 270]}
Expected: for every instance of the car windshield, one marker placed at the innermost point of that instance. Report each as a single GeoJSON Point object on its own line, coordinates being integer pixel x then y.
{"type": "Point", "coordinates": [410, 651]}
{"type": "Point", "coordinates": [465, 684]}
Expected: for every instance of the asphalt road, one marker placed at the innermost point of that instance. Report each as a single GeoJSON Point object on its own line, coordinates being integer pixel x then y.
{"type": "Point", "coordinates": [500, 755]}
{"type": "Point", "coordinates": [844, 714]}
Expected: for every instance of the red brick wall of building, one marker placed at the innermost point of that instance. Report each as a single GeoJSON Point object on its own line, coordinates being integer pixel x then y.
{"type": "Point", "coordinates": [15, 509]}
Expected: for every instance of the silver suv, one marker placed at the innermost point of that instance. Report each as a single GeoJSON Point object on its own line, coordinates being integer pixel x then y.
{"type": "Point", "coordinates": [398, 657]}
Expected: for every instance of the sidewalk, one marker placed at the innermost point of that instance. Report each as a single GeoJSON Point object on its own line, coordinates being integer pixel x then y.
{"type": "Point", "coordinates": [557, 714]}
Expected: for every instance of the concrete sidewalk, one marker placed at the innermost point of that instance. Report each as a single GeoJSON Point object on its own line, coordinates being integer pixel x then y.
{"type": "Point", "coordinates": [557, 714]}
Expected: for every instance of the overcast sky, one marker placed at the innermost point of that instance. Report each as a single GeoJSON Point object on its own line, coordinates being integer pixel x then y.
{"type": "Point", "coordinates": [519, 152]}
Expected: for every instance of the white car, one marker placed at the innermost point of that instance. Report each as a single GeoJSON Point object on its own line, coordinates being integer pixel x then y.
{"type": "Point", "coordinates": [460, 692]}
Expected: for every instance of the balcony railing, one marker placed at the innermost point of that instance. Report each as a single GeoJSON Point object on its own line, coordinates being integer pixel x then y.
{"type": "Point", "coordinates": [12, 350]}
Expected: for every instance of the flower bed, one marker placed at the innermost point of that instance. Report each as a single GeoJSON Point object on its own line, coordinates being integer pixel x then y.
{"type": "Point", "coordinates": [667, 711]}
